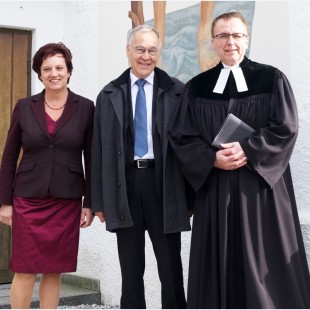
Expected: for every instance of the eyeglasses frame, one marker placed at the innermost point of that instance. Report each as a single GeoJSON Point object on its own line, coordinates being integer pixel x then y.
{"type": "Point", "coordinates": [228, 35]}
{"type": "Point", "coordinates": [136, 48]}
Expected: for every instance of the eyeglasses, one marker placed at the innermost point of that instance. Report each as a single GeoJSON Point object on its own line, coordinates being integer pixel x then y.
{"type": "Point", "coordinates": [141, 50]}
{"type": "Point", "coordinates": [225, 36]}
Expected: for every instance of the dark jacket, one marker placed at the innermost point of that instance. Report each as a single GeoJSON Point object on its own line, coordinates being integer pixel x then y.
{"type": "Point", "coordinates": [109, 190]}
{"type": "Point", "coordinates": [49, 165]}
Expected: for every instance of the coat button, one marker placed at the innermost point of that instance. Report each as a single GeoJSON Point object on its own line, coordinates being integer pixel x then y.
{"type": "Point", "coordinates": [119, 153]}
{"type": "Point", "coordinates": [122, 217]}
{"type": "Point", "coordinates": [119, 184]}
{"type": "Point", "coordinates": [51, 146]}
{"type": "Point", "coordinates": [50, 163]}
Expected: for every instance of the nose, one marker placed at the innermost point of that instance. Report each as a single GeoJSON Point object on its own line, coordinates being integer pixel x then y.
{"type": "Point", "coordinates": [53, 71]}
{"type": "Point", "coordinates": [146, 55]}
{"type": "Point", "coordinates": [230, 39]}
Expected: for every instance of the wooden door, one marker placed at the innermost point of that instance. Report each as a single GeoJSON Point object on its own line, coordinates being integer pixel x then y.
{"type": "Point", "coordinates": [15, 66]}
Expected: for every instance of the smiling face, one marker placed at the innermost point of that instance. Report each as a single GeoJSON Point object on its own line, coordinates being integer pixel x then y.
{"type": "Point", "coordinates": [54, 72]}
{"type": "Point", "coordinates": [231, 51]}
{"type": "Point", "coordinates": [142, 65]}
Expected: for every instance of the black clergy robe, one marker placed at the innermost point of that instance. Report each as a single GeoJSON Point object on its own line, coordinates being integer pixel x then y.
{"type": "Point", "coordinates": [247, 249]}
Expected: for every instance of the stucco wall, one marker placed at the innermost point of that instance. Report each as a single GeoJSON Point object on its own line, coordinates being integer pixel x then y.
{"type": "Point", "coordinates": [70, 22]}
{"type": "Point", "coordinates": [96, 34]}
{"type": "Point", "coordinates": [300, 73]}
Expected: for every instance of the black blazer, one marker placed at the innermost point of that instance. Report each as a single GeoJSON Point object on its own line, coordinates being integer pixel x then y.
{"type": "Point", "coordinates": [49, 165]}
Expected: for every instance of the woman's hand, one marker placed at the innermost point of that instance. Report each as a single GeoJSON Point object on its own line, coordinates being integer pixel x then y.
{"type": "Point", "coordinates": [231, 157]}
{"type": "Point", "coordinates": [86, 217]}
{"type": "Point", "coordinates": [6, 212]}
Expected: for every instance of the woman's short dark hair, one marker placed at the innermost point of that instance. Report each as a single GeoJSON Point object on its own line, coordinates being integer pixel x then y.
{"type": "Point", "coordinates": [51, 49]}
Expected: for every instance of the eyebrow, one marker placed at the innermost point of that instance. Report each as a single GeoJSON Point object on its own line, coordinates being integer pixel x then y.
{"type": "Point", "coordinates": [145, 48]}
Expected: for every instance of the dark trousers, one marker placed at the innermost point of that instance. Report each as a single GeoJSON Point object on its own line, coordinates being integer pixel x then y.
{"type": "Point", "coordinates": [147, 213]}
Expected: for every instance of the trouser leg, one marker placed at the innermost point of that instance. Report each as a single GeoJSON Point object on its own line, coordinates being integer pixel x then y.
{"type": "Point", "coordinates": [131, 245]}
{"type": "Point", "coordinates": [167, 247]}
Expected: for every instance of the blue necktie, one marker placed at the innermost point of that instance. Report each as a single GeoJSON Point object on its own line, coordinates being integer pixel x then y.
{"type": "Point", "coordinates": [141, 146]}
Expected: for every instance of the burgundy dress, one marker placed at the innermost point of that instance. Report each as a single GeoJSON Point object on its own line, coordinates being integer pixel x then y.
{"type": "Point", "coordinates": [45, 232]}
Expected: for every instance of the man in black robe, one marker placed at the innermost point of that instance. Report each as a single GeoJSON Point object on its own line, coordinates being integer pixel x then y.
{"type": "Point", "coordinates": [247, 249]}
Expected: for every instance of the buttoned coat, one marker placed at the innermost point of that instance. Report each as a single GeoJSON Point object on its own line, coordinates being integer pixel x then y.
{"type": "Point", "coordinates": [49, 164]}
{"type": "Point", "coordinates": [109, 192]}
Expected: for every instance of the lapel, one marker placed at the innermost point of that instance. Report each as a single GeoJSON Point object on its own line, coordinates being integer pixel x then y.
{"type": "Point", "coordinates": [129, 108]}
{"type": "Point", "coordinates": [162, 83]}
{"type": "Point", "coordinates": [37, 105]}
{"type": "Point", "coordinates": [156, 115]}
{"type": "Point", "coordinates": [70, 108]}
{"type": "Point", "coordinates": [39, 111]}
{"type": "Point", "coordinates": [123, 84]}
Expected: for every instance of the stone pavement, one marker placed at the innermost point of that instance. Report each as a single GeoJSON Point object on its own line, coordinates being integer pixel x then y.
{"type": "Point", "coordinates": [75, 291]}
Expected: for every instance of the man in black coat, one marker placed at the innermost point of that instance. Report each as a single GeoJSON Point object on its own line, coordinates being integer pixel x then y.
{"type": "Point", "coordinates": [132, 192]}
{"type": "Point", "coordinates": [247, 249]}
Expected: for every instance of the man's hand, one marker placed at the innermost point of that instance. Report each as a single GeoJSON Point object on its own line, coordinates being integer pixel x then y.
{"type": "Point", "coordinates": [101, 216]}
{"type": "Point", "coordinates": [231, 157]}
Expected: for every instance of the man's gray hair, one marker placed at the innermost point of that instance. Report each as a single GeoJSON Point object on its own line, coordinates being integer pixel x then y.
{"type": "Point", "coordinates": [142, 28]}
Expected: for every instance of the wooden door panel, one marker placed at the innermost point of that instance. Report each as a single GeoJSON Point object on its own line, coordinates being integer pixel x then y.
{"type": "Point", "coordinates": [5, 86]}
{"type": "Point", "coordinates": [20, 67]}
{"type": "Point", "coordinates": [15, 53]}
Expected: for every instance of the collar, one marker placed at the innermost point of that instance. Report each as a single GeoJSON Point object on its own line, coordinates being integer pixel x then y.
{"type": "Point", "coordinates": [149, 79]}
{"type": "Point", "coordinates": [164, 81]}
{"type": "Point", "coordinates": [223, 78]}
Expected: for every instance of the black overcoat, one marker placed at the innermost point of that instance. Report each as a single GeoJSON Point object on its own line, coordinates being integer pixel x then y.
{"type": "Point", "coordinates": [109, 191]}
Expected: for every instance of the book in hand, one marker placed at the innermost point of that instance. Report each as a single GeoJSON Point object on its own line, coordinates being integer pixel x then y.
{"type": "Point", "coordinates": [232, 130]}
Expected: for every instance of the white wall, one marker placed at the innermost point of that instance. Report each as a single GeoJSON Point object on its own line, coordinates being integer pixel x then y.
{"type": "Point", "coordinates": [271, 39]}
{"type": "Point", "coordinates": [300, 78]}
{"type": "Point", "coordinates": [81, 33]}
{"type": "Point", "coordinates": [95, 31]}
{"type": "Point", "coordinates": [73, 23]}
{"type": "Point", "coordinates": [38, 18]}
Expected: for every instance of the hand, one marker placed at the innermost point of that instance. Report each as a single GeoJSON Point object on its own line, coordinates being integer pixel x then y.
{"type": "Point", "coordinates": [86, 217]}
{"type": "Point", "coordinates": [101, 216]}
{"type": "Point", "coordinates": [6, 212]}
{"type": "Point", "coordinates": [232, 157]}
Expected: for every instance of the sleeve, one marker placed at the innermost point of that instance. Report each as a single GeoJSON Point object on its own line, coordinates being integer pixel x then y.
{"type": "Point", "coordinates": [96, 160]}
{"type": "Point", "coordinates": [87, 157]}
{"type": "Point", "coordinates": [194, 154]}
{"type": "Point", "coordinates": [270, 150]}
{"type": "Point", "coordinates": [9, 158]}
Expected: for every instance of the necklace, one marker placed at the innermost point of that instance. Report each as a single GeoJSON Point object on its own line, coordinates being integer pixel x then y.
{"type": "Point", "coordinates": [52, 107]}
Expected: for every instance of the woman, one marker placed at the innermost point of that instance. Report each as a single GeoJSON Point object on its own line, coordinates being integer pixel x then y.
{"type": "Point", "coordinates": [42, 199]}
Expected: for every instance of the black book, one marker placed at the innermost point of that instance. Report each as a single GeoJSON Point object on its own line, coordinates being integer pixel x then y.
{"type": "Point", "coordinates": [233, 129]}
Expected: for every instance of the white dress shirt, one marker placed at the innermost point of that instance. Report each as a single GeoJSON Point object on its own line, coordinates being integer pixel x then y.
{"type": "Point", "coordinates": [148, 89]}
